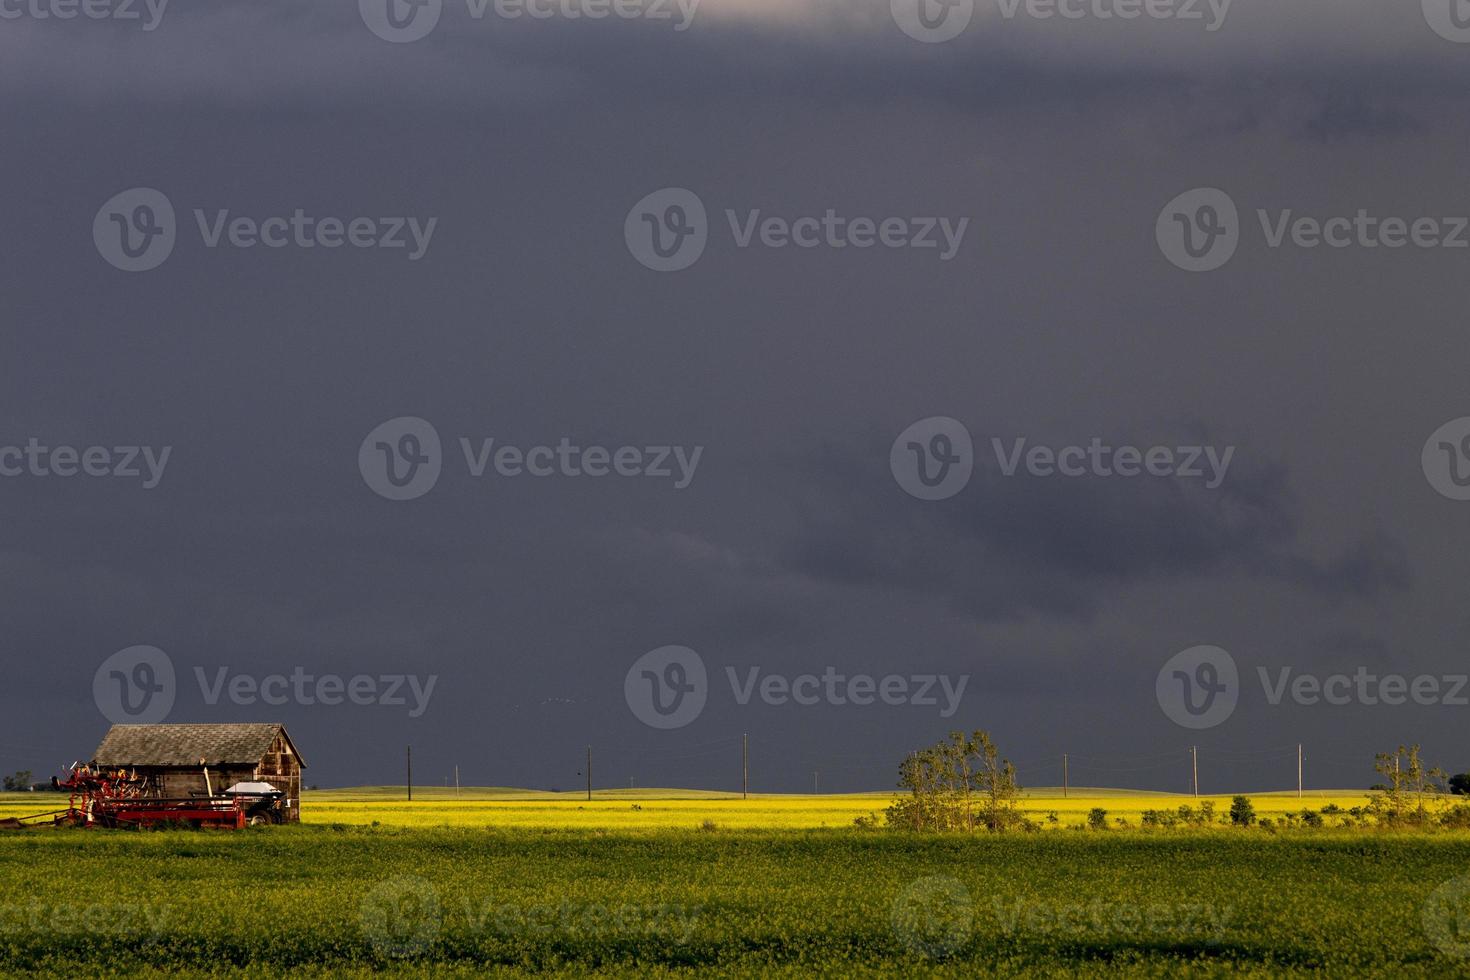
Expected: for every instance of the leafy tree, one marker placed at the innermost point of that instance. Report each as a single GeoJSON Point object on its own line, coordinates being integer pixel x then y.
{"type": "Point", "coordinates": [1460, 784]}
{"type": "Point", "coordinates": [21, 780]}
{"type": "Point", "coordinates": [1409, 789]}
{"type": "Point", "coordinates": [959, 784]}
{"type": "Point", "coordinates": [1242, 811]}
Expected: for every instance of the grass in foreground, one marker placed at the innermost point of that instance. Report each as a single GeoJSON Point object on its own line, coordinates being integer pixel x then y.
{"type": "Point", "coordinates": [436, 901]}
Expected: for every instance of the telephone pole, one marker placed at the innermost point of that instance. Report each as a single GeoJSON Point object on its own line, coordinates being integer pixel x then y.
{"type": "Point", "coordinates": [814, 783]}
{"type": "Point", "coordinates": [1194, 757]}
{"type": "Point", "coordinates": [410, 773]}
{"type": "Point", "coordinates": [1298, 770]}
{"type": "Point", "coordinates": [456, 779]}
{"type": "Point", "coordinates": [589, 772]}
{"type": "Point", "coordinates": [1064, 775]}
{"type": "Point", "coordinates": [745, 767]}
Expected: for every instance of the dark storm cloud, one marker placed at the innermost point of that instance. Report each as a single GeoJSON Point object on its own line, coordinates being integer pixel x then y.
{"type": "Point", "coordinates": [1023, 545]}
{"type": "Point", "coordinates": [794, 549]}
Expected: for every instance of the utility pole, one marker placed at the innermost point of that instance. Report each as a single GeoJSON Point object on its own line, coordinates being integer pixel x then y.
{"type": "Point", "coordinates": [589, 772]}
{"type": "Point", "coordinates": [1064, 775]}
{"type": "Point", "coordinates": [1194, 756]}
{"type": "Point", "coordinates": [814, 783]}
{"type": "Point", "coordinates": [410, 773]}
{"type": "Point", "coordinates": [1298, 770]}
{"type": "Point", "coordinates": [456, 779]}
{"type": "Point", "coordinates": [745, 767]}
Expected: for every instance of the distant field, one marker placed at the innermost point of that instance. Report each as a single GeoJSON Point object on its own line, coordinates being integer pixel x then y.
{"type": "Point", "coordinates": [662, 809]}
{"type": "Point", "coordinates": [649, 809]}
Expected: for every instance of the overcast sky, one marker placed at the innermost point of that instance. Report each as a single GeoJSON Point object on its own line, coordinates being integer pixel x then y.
{"type": "Point", "coordinates": [525, 317]}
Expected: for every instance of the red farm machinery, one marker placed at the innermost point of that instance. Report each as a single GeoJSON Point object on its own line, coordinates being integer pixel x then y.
{"type": "Point", "coordinates": [122, 798]}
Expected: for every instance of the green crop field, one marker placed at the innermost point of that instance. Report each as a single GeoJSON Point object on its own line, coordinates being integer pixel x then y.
{"type": "Point", "coordinates": [656, 883]}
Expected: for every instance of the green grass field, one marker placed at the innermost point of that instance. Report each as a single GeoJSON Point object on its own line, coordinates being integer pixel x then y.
{"type": "Point", "coordinates": [508, 881]}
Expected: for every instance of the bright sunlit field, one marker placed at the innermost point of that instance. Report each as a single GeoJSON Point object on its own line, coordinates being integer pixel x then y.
{"type": "Point", "coordinates": [664, 883]}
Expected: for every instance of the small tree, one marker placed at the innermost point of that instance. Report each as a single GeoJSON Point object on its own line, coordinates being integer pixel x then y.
{"type": "Point", "coordinates": [961, 783]}
{"type": "Point", "coordinates": [21, 780]}
{"type": "Point", "coordinates": [1460, 784]}
{"type": "Point", "coordinates": [1097, 819]}
{"type": "Point", "coordinates": [1408, 790]}
{"type": "Point", "coordinates": [1242, 811]}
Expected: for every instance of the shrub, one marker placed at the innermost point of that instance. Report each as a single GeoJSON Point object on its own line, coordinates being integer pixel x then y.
{"type": "Point", "coordinates": [1097, 819]}
{"type": "Point", "coordinates": [1242, 812]}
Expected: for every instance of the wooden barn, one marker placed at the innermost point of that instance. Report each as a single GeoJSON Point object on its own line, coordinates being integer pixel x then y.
{"type": "Point", "coordinates": [203, 760]}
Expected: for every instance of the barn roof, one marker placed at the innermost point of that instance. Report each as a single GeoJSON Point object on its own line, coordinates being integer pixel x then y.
{"type": "Point", "coordinates": [186, 745]}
